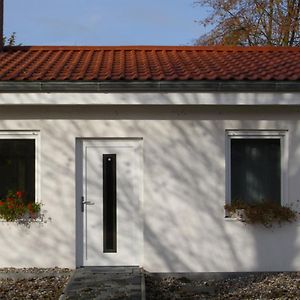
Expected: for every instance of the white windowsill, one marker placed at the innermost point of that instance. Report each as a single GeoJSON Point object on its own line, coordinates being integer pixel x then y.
{"type": "Point", "coordinates": [232, 219]}
{"type": "Point", "coordinates": [23, 221]}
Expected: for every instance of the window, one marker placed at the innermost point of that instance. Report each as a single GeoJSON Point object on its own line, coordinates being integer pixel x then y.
{"type": "Point", "coordinates": [256, 166]}
{"type": "Point", "coordinates": [18, 167]}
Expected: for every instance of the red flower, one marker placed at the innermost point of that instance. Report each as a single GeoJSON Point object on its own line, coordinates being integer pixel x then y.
{"type": "Point", "coordinates": [1, 203]}
{"type": "Point", "coordinates": [19, 194]}
{"type": "Point", "coordinates": [29, 206]}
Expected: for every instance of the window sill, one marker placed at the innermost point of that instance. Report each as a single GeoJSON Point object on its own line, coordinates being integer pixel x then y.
{"type": "Point", "coordinates": [233, 219]}
{"type": "Point", "coordinates": [24, 221]}
{"type": "Point", "coordinates": [241, 221]}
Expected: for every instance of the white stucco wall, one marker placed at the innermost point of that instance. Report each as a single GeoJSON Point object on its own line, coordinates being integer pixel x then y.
{"type": "Point", "coordinates": [220, 98]}
{"type": "Point", "coordinates": [184, 186]}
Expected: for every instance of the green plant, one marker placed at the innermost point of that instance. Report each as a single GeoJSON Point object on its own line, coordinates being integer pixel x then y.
{"type": "Point", "coordinates": [266, 213]}
{"type": "Point", "coordinates": [13, 207]}
{"type": "Point", "coordinates": [10, 40]}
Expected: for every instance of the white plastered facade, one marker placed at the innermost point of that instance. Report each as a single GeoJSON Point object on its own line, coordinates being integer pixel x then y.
{"type": "Point", "coordinates": [184, 177]}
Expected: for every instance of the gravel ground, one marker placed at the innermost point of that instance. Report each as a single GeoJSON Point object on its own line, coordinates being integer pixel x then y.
{"type": "Point", "coordinates": [49, 283]}
{"type": "Point", "coordinates": [249, 286]}
{"type": "Point", "coordinates": [32, 283]}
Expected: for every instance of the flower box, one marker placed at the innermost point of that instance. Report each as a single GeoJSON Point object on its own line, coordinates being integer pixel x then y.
{"type": "Point", "coordinates": [14, 209]}
{"type": "Point", "coordinates": [265, 213]}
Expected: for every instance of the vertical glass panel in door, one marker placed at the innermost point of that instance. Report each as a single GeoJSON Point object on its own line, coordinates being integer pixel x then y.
{"type": "Point", "coordinates": [109, 203]}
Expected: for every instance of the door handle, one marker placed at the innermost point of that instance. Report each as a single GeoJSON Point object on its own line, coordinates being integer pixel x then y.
{"type": "Point", "coordinates": [86, 203]}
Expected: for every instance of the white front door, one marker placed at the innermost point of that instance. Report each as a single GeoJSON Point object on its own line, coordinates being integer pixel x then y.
{"type": "Point", "coordinates": [110, 202]}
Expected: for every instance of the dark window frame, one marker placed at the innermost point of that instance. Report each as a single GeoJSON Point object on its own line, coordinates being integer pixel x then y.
{"type": "Point", "coordinates": [282, 135]}
{"type": "Point", "coordinates": [27, 135]}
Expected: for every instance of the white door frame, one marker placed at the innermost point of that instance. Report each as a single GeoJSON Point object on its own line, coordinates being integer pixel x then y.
{"type": "Point", "coordinates": [79, 243]}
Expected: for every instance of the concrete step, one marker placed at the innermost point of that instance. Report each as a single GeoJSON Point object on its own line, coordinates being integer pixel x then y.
{"type": "Point", "coordinates": [105, 283]}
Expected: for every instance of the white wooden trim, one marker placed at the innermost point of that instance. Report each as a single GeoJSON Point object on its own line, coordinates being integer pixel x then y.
{"type": "Point", "coordinates": [33, 135]}
{"type": "Point", "coordinates": [255, 133]}
{"type": "Point", "coordinates": [258, 134]}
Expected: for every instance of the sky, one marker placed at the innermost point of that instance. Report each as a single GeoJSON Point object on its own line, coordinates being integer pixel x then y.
{"type": "Point", "coordinates": [103, 22]}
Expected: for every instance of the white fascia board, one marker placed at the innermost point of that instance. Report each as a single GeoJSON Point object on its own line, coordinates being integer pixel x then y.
{"type": "Point", "coordinates": [179, 98]}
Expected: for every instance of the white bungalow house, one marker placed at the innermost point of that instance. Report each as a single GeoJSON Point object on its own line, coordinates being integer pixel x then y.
{"type": "Point", "coordinates": [134, 151]}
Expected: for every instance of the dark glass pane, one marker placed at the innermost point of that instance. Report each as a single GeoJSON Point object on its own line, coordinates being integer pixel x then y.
{"type": "Point", "coordinates": [109, 203]}
{"type": "Point", "coordinates": [255, 170]}
{"type": "Point", "coordinates": [17, 167]}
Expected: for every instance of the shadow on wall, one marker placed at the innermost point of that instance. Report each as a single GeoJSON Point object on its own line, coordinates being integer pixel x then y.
{"type": "Point", "coordinates": [184, 185]}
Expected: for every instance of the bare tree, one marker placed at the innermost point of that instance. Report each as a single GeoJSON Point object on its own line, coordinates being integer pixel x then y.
{"type": "Point", "coordinates": [251, 22]}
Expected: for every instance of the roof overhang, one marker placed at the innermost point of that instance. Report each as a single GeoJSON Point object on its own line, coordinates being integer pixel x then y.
{"type": "Point", "coordinates": [148, 86]}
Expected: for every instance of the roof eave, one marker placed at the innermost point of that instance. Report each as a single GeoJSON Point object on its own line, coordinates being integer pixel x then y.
{"type": "Point", "coordinates": [149, 86]}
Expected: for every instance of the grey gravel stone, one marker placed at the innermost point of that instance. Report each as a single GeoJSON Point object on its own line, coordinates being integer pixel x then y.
{"type": "Point", "coordinates": [279, 286]}
{"type": "Point", "coordinates": [33, 283]}
{"type": "Point", "coordinates": [48, 284]}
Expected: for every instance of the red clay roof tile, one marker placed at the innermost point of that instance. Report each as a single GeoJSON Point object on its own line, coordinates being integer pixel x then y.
{"type": "Point", "coordinates": [67, 63]}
